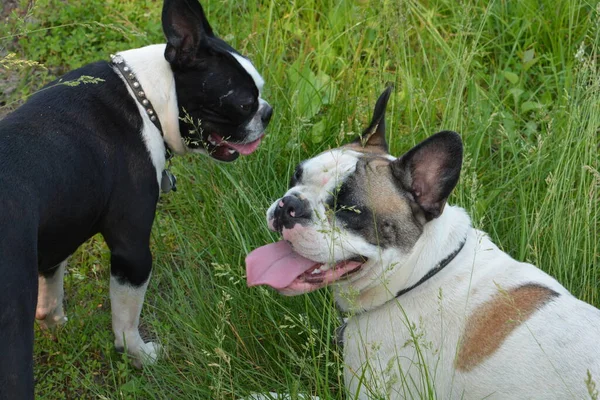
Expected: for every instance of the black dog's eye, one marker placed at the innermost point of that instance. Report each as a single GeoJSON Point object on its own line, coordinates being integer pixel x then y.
{"type": "Point", "coordinates": [297, 175]}
{"type": "Point", "coordinates": [247, 106]}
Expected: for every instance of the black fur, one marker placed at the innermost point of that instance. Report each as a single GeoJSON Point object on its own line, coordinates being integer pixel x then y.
{"type": "Point", "coordinates": [374, 134]}
{"type": "Point", "coordinates": [350, 210]}
{"type": "Point", "coordinates": [297, 177]}
{"type": "Point", "coordinates": [191, 51]}
{"type": "Point", "coordinates": [68, 175]}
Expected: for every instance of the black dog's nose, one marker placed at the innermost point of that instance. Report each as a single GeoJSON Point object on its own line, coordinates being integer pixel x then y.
{"type": "Point", "coordinates": [289, 211]}
{"type": "Point", "coordinates": [267, 114]}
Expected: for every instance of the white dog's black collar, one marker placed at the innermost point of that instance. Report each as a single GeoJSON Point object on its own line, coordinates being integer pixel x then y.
{"type": "Point", "coordinates": [435, 269]}
{"type": "Point", "coordinates": [338, 338]}
{"type": "Point", "coordinates": [168, 180]}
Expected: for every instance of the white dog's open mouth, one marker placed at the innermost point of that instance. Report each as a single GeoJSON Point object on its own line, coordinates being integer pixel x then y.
{"type": "Point", "coordinates": [279, 266]}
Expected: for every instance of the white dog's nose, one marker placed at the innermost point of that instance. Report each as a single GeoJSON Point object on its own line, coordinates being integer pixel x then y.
{"type": "Point", "coordinates": [289, 211]}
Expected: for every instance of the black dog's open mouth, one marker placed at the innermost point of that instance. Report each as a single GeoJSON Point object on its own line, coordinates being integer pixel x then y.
{"type": "Point", "coordinates": [221, 149]}
{"type": "Point", "coordinates": [279, 266]}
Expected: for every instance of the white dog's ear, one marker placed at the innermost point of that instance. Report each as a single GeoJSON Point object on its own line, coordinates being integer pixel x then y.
{"type": "Point", "coordinates": [372, 138]}
{"type": "Point", "coordinates": [186, 29]}
{"type": "Point", "coordinates": [430, 170]}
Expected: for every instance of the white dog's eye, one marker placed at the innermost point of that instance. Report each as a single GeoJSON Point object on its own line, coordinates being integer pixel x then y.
{"type": "Point", "coordinates": [297, 176]}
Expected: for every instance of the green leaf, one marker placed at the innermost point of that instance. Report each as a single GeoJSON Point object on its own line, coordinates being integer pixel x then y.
{"type": "Point", "coordinates": [311, 91]}
{"type": "Point", "coordinates": [317, 131]}
{"type": "Point", "coordinates": [546, 99]}
{"type": "Point", "coordinates": [531, 128]}
{"type": "Point", "coordinates": [530, 106]}
{"type": "Point", "coordinates": [516, 92]}
{"type": "Point", "coordinates": [130, 386]}
{"type": "Point", "coordinates": [528, 56]}
{"type": "Point", "coordinates": [529, 59]}
{"type": "Point", "coordinates": [326, 87]}
{"type": "Point", "coordinates": [511, 77]}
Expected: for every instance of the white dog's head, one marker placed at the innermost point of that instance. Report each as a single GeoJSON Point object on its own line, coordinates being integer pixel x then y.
{"type": "Point", "coordinates": [353, 213]}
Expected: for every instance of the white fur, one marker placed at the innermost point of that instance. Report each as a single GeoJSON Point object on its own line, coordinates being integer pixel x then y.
{"type": "Point", "coordinates": [249, 67]}
{"type": "Point", "coordinates": [546, 357]}
{"type": "Point", "coordinates": [255, 126]}
{"type": "Point", "coordinates": [49, 311]}
{"type": "Point", "coordinates": [126, 304]}
{"type": "Point", "coordinates": [406, 347]}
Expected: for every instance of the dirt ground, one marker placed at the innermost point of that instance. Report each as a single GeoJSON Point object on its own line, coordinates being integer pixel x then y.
{"type": "Point", "coordinates": [7, 7]}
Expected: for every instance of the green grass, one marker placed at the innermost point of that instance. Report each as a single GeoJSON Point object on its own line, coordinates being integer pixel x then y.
{"type": "Point", "coordinates": [519, 80]}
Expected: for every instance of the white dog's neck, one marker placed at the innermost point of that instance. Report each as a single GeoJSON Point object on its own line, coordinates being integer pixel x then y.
{"type": "Point", "coordinates": [156, 78]}
{"type": "Point", "coordinates": [440, 239]}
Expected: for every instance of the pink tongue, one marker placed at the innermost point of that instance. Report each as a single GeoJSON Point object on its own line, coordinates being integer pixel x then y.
{"type": "Point", "coordinates": [276, 265]}
{"type": "Point", "coordinates": [244, 149]}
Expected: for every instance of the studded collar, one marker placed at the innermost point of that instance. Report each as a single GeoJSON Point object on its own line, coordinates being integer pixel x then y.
{"type": "Point", "coordinates": [119, 62]}
{"type": "Point", "coordinates": [168, 181]}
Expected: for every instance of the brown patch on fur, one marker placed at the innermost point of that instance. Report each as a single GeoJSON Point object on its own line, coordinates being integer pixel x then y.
{"type": "Point", "coordinates": [380, 193]}
{"type": "Point", "coordinates": [490, 324]}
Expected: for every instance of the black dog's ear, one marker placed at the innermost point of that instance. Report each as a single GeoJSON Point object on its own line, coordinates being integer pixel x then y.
{"type": "Point", "coordinates": [372, 139]}
{"type": "Point", "coordinates": [186, 29]}
{"type": "Point", "coordinates": [430, 170]}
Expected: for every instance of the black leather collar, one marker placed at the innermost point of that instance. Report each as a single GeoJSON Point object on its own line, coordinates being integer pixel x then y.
{"type": "Point", "coordinates": [440, 266]}
{"type": "Point", "coordinates": [339, 332]}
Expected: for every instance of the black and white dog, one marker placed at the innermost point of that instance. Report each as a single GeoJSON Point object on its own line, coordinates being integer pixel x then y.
{"type": "Point", "coordinates": [437, 310]}
{"type": "Point", "coordinates": [84, 158]}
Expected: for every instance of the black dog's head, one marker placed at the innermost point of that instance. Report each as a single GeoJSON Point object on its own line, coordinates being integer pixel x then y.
{"type": "Point", "coordinates": [218, 90]}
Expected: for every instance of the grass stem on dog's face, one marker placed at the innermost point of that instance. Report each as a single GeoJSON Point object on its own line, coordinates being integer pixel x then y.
{"type": "Point", "coordinates": [520, 82]}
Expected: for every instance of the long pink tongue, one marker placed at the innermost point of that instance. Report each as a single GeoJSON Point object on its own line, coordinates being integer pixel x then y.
{"type": "Point", "coordinates": [245, 149]}
{"type": "Point", "coordinates": [276, 265]}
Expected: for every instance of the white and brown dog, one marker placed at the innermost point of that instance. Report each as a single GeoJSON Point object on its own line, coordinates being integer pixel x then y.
{"type": "Point", "coordinates": [436, 309]}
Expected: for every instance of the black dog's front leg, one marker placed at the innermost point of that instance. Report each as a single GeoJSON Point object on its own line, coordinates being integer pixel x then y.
{"type": "Point", "coordinates": [126, 300]}
{"type": "Point", "coordinates": [131, 265]}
